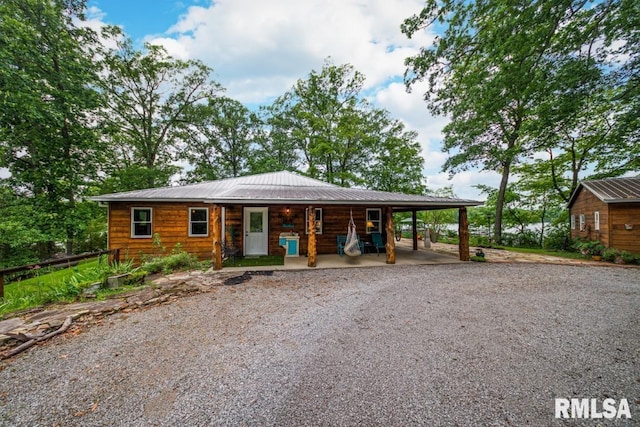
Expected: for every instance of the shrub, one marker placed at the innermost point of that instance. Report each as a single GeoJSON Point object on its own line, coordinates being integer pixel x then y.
{"type": "Point", "coordinates": [178, 260]}
{"type": "Point", "coordinates": [627, 257]}
{"type": "Point", "coordinates": [558, 237]}
{"type": "Point", "coordinates": [610, 254]}
{"type": "Point", "coordinates": [590, 248]}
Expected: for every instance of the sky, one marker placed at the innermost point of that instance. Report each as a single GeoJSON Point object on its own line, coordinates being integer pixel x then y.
{"type": "Point", "coordinates": [258, 49]}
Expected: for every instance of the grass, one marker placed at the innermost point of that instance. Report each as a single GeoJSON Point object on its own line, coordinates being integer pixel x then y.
{"type": "Point", "coordinates": [60, 285]}
{"type": "Point", "coordinates": [549, 252]}
{"type": "Point", "coordinates": [254, 262]}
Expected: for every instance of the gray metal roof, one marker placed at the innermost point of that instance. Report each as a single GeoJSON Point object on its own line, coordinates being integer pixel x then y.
{"type": "Point", "coordinates": [279, 188]}
{"type": "Point", "coordinates": [611, 190]}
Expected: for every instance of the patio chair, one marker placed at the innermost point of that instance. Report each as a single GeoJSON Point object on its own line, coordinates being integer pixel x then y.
{"type": "Point", "coordinates": [341, 241]}
{"type": "Point", "coordinates": [376, 241]}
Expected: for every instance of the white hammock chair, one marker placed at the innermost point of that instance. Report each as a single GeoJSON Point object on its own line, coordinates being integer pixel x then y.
{"type": "Point", "coordinates": [352, 246]}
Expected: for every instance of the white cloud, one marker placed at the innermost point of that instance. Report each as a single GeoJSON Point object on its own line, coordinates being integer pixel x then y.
{"type": "Point", "coordinates": [245, 41]}
{"type": "Point", "coordinates": [259, 49]}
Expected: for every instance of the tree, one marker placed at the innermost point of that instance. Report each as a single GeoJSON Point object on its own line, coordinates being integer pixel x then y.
{"type": "Point", "coordinates": [48, 102]}
{"type": "Point", "coordinates": [437, 220]}
{"type": "Point", "coordinates": [488, 69]}
{"type": "Point", "coordinates": [340, 138]}
{"type": "Point", "coordinates": [219, 140]}
{"type": "Point", "coordinates": [149, 95]}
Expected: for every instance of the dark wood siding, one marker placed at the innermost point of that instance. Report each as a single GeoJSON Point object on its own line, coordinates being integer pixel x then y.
{"type": "Point", "coordinates": [587, 204]}
{"type": "Point", "coordinates": [622, 238]}
{"type": "Point", "coordinates": [170, 222]}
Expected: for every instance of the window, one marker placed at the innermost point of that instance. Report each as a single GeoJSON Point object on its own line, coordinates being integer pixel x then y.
{"type": "Point", "coordinates": [318, 220]}
{"type": "Point", "coordinates": [141, 220]}
{"type": "Point", "coordinates": [573, 222]}
{"type": "Point", "coordinates": [581, 222]}
{"type": "Point", "coordinates": [596, 220]}
{"type": "Point", "coordinates": [374, 221]}
{"type": "Point", "coordinates": [198, 222]}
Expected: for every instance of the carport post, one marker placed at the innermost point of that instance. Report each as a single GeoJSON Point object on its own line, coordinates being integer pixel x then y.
{"type": "Point", "coordinates": [311, 242]}
{"type": "Point", "coordinates": [217, 237]}
{"type": "Point", "coordinates": [390, 246]}
{"type": "Point", "coordinates": [463, 234]}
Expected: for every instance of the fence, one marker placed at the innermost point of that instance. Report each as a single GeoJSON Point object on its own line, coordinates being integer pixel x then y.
{"type": "Point", "coordinates": [114, 255]}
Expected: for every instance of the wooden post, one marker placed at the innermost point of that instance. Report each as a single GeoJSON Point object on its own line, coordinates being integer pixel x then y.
{"type": "Point", "coordinates": [463, 234]}
{"type": "Point", "coordinates": [414, 226]}
{"type": "Point", "coordinates": [311, 242]}
{"type": "Point", "coordinates": [216, 261]}
{"type": "Point", "coordinates": [391, 244]}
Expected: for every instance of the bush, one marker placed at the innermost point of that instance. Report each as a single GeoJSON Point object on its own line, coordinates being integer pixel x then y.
{"type": "Point", "coordinates": [610, 254]}
{"type": "Point", "coordinates": [558, 238]}
{"type": "Point", "coordinates": [178, 260]}
{"type": "Point", "coordinates": [627, 257]}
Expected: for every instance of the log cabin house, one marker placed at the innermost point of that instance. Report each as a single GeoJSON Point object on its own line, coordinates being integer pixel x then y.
{"type": "Point", "coordinates": [278, 213]}
{"type": "Point", "coordinates": [607, 210]}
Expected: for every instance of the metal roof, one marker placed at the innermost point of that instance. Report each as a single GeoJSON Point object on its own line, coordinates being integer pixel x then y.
{"type": "Point", "coordinates": [279, 188]}
{"type": "Point", "coordinates": [611, 190]}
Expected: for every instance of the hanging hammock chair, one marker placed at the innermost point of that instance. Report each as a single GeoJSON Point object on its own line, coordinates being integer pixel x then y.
{"type": "Point", "coordinates": [352, 245]}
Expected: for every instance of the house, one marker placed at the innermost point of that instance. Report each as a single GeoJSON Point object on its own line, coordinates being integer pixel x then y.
{"type": "Point", "coordinates": [607, 210]}
{"type": "Point", "coordinates": [257, 212]}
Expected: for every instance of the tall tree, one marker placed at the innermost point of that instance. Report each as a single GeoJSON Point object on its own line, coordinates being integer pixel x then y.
{"type": "Point", "coordinates": [47, 108]}
{"type": "Point", "coordinates": [339, 136]}
{"type": "Point", "coordinates": [149, 97]}
{"type": "Point", "coordinates": [487, 70]}
{"type": "Point", "coordinates": [218, 141]}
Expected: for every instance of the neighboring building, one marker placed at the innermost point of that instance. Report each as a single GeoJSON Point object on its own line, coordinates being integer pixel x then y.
{"type": "Point", "coordinates": [255, 211]}
{"type": "Point", "coordinates": [607, 210]}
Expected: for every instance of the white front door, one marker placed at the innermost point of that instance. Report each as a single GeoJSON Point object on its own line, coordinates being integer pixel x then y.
{"type": "Point", "coordinates": [256, 231]}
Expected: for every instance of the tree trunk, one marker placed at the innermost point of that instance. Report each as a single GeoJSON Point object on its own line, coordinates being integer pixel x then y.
{"type": "Point", "coordinates": [463, 234]}
{"type": "Point", "coordinates": [497, 226]}
{"type": "Point", "coordinates": [311, 243]}
{"type": "Point", "coordinates": [217, 237]}
{"type": "Point", "coordinates": [390, 246]}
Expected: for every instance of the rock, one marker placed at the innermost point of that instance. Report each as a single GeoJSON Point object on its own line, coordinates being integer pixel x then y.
{"type": "Point", "coordinates": [10, 324]}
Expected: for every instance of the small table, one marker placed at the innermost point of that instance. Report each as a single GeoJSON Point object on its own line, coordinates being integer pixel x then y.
{"type": "Point", "coordinates": [367, 247]}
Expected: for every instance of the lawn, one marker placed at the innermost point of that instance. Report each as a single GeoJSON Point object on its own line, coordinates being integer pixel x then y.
{"type": "Point", "coordinates": [254, 261]}
{"type": "Point", "coordinates": [60, 285]}
{"type": "Point", "coordinates": [549, 252]}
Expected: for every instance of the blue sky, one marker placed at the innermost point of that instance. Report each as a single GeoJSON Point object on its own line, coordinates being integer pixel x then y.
{"type": "Point", "coordinates": [258, 49]}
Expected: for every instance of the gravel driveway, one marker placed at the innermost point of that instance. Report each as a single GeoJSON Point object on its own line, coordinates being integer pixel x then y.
{"type": "Point", "coordinates": [465, 344]}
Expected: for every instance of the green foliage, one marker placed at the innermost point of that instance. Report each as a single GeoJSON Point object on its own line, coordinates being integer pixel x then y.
{"type": "Point", "coordinates": [48, 137]}
{"type": "Point", "coordinates": [339, 137]}
{"type": "Point", "coordinates": [63, 285]}
{"type": "Point", "coordinates": [610, 254]}
{"type": "Point", "coordinates": [519, 78]}
{"type": "Point", "coordinates": [149, 96]}
{"type": "Point", "coordinates": [477, 258]}
{"type": "Point", "coordinates": [219, 139]}
{"type": "Point", "coordinates": [177, 260]}
{"type": "Point", "coordinates": [628, 258]}
{"type": "Point", "coordinates": [590, 248]}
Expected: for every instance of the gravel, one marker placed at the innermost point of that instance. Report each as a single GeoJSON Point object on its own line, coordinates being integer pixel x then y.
{"type": "Point", "coordinates": [471, 344]}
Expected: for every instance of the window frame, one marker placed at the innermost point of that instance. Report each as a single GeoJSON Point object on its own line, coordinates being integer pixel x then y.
{"type": "Point", "coordinates": [134, 222]}
{"type": "Point", "coordinates": [596, 220]}
{"type": "Point", "coordinates": [573, 222]}
{"type": "Point", "coordinates": [191, 222]}
{"type": "Point", "coordinates": [319, 222]}
{"type": "Point", "coordinates": [374, 229]}
{"type": "Point", "coordinates": [582, 222]}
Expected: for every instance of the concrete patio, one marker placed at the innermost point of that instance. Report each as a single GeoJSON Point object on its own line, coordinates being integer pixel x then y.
{"type": "Point", "coordinates": [405, 255]}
